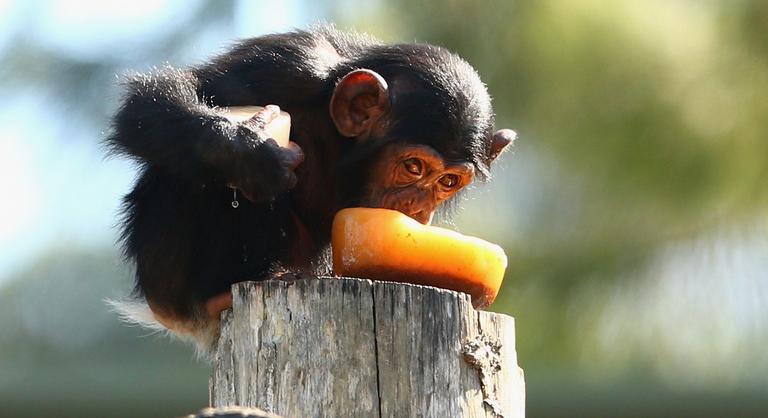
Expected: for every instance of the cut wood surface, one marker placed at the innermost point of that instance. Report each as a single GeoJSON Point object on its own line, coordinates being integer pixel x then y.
{"type": "Point", "coordinates": [337, 347]}
{"type": "Point", "coordinates": [232, 412]}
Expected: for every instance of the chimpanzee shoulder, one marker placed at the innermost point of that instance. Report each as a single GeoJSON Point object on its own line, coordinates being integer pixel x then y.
{"type": "Point", "coordinates": [306, 60]}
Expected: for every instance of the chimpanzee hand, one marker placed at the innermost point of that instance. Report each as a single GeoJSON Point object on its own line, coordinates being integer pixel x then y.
{"type": "Point", "coordinates": [262, 169]}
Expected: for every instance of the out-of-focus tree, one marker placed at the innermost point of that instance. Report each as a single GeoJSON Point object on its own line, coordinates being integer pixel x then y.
{"type": "Point", "coordinates": [641, 123]}
{"type": "Point", "coordinates": [642, 139]}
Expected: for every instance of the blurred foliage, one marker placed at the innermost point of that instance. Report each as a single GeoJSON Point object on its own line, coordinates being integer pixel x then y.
{"type": "Point", "coordinates": [651, 112]}
{"type": "Point", "coordinates": [62, 351]}
{"type": "Point", "coordinates": [641, 129]}
{"type": "Point", "coordinates": [632, 209]}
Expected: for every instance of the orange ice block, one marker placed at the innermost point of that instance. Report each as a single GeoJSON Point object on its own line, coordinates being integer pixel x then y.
{"type": "Point", "coordinates": [382, 244]}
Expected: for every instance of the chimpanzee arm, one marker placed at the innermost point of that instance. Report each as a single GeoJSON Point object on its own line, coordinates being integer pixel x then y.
{"type": "Point", "coordinates": [165, 122]}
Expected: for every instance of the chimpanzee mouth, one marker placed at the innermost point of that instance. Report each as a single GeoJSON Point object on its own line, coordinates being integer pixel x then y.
{"type": "Point", "coordinates": [422, 216]}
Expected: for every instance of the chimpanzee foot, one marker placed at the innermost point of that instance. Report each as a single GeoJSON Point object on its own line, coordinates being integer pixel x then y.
{"type": "Point", "coordinates": [217, 304]}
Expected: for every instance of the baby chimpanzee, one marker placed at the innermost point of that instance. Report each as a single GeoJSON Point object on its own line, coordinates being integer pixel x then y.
{"type": "Point", "coordinates": [394, 126]}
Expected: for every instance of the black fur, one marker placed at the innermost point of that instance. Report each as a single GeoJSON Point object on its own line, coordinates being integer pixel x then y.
{"type": "Point", "coordinates": [188, 243]}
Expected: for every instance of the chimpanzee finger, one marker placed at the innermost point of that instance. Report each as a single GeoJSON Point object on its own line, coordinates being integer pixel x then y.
{"type": "Point", "coordinates": [297, 154]}
{"type": "Point", "coordinates": [249, 196]}
{"type": "Point", "coordinates": [263, 117]}
{"type": "Point", "coordinates": [290, 156]}
{"type": "Point", "coordinates": [290, 179]}
{"type": "Point", "coordinates": [290, 276]}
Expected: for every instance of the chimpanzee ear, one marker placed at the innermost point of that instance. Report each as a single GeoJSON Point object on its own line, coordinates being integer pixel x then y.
{"type": "Point", "coordinates": [500, 141]}
{"type": "Point", "coordinates": [358, 101]}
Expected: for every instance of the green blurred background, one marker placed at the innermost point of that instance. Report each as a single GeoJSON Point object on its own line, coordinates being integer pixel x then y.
{"type": "Point", "coordinates": [633, 208]}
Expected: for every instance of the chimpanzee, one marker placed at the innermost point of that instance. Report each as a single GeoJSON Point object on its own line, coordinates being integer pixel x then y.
{"type": "Point", "coordinates": [402, 126]}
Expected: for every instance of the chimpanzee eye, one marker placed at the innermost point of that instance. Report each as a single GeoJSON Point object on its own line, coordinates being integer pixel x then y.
{"type": "Point", "coordinates": [449, 180]}
{"type": "Point", "coordinates": [413, 166]}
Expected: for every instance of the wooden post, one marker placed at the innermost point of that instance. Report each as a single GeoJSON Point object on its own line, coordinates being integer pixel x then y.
{"type": "Point", "coordinates": [356, 348]}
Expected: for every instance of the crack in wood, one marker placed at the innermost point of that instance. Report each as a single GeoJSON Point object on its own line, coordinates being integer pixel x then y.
{"type": "Point", "coordinates": [483, 353]}
{"type": "Point", "coordinates": [376, 347]}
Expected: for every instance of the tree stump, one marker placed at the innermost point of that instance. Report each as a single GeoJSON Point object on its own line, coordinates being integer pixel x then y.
{"type": "Point", "coordinates": [341, 347]}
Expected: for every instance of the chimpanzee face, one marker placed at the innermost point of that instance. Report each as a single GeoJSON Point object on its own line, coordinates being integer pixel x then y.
{"type": "Point", "coordinates": [414, 179]}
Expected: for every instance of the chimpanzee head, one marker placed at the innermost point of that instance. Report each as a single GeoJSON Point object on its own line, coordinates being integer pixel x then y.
{"type": "Point", "coordinates": [423, 123]}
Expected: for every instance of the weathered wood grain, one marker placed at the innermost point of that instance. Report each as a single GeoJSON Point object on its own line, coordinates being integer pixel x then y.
{"type": "Point", "coordinates": [333, 347]}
